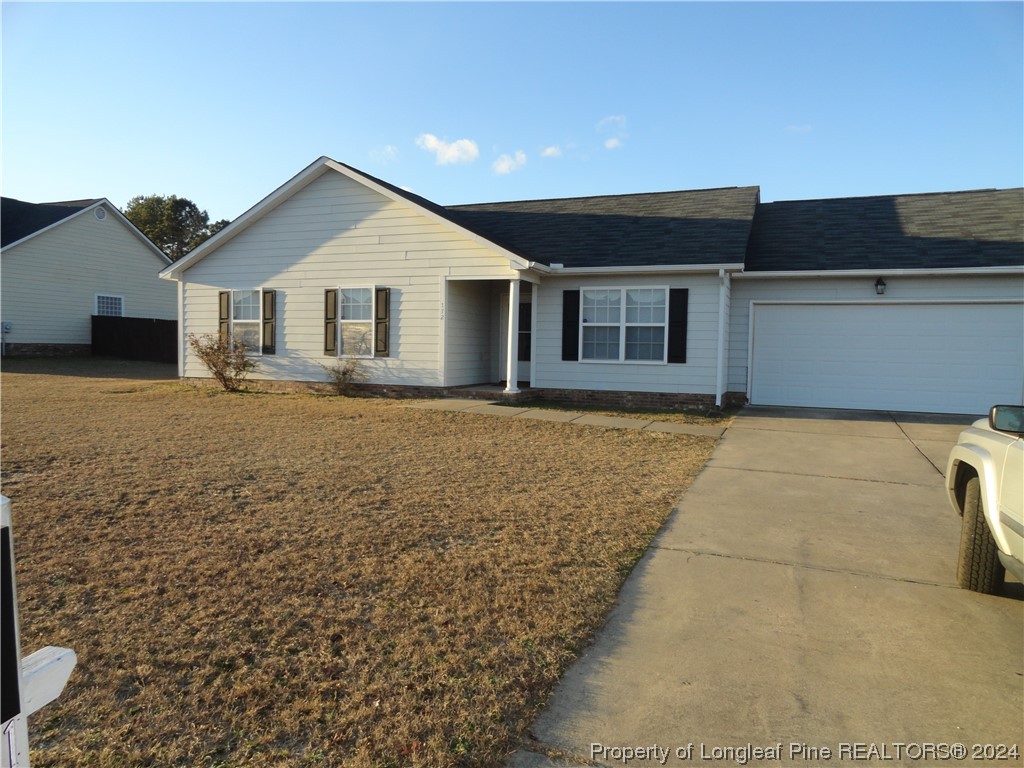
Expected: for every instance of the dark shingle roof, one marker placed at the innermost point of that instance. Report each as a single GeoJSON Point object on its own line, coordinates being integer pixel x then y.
{"type": "Point", "coordinates": [709, 226]}
{"type": "Point", "coordinates": [19, 219]}
{"type": "Point", "coordinates": [983, 228]}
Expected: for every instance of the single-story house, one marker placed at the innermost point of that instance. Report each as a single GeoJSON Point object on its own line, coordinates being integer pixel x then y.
{"type": "Point", "coordinates": [62, 263]}
{"type": "Point", "coordinates": [703, 297]}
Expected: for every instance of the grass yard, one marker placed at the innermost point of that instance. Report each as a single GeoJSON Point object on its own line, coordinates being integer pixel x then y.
{"type": "Point", "coordinates": [293, 580]}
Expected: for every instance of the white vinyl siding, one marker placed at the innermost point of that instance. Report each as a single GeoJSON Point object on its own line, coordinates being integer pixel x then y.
{"type": "Point", "coordinates": [472, 334]}
{"type": "Point", "coordinates": [337, 233]}
{"type": "Point", "coordinates": [51, 282]}
{"type": "Point", "coordinates": [696, 376]}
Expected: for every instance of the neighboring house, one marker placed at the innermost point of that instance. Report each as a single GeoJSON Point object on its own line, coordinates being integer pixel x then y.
{"type": "Point", "coordinates": [61, 263]}
{"type": "Point", "coordinates": [677, 298]}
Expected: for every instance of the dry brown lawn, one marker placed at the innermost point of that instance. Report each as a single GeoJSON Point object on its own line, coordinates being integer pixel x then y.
{"type": "Point", "coordinates": [288, 580]}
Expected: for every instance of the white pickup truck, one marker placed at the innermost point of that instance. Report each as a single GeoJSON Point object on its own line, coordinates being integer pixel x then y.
{"type": "Point", "coordinates": [985, 481]}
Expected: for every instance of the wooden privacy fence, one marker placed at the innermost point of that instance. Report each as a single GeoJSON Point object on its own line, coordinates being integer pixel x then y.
{"type": "Point", "coordinates": [135, 338]}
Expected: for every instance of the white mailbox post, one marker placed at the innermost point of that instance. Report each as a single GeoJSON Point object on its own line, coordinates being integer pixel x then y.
{"type": "Point", "coordinates": [30, 683]}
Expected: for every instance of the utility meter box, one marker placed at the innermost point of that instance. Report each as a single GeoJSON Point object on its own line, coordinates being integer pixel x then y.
{"type": "Point", "coordinates": [26, 684]}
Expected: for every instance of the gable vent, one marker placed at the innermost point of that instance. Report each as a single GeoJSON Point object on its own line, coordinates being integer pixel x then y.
{"type": "Point", "coordinates": [101, 214]}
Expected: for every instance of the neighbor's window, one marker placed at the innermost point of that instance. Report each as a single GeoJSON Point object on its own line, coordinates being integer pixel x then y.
{"type": "Point", "coordinates": [624, 324]}
{"type": "Point", "coordinates": [356, 320]}
{"type": "Point", "coordinates": [245, 318]}
{"type": "Point", "coordinates": [110, 306]}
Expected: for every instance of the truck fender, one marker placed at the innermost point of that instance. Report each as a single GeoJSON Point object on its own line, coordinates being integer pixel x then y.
{"type": "Point", "coordinates": [983, 465]}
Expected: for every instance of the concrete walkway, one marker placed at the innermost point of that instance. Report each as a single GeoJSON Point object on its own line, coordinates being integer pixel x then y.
{"type": "Point", "coordinates": [568, 417]}
{"type": "Point", "coordinates": [800, 601]}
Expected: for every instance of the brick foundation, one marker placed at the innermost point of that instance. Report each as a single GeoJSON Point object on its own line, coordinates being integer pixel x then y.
{"type": "Point", "coordinates": [13, 349]}
{"type": "Point", "coordinates": [618, 399]}
{"type": "Point", "coordinates": [591, 397]}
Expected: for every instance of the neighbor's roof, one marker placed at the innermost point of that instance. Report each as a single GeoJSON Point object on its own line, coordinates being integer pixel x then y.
{"type": "Point", "coordinates": [694, 227]}
{"type": "Point", "coordinates": [19, 219]}
{"type": "Point", "coordinates": [975, 229]}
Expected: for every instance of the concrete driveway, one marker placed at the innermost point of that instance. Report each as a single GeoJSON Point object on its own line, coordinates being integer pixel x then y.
{"type": "Point", "coordinates": [800, 599]}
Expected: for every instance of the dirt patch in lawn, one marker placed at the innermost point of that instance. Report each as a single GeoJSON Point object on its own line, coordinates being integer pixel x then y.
{"type": "Point", "coordinates": [289, 580]}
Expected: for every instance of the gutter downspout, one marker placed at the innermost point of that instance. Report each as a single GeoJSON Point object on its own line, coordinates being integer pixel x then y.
{"type": "Point", "coordinates": [724, 287]}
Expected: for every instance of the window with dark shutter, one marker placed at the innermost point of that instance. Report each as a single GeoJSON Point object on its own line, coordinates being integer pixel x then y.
{"type": "Point", "coordinates": [331, 321]}
{"type": "Point", "coordinates": [382, 323]}
{"type": "Point", "coordinates": [678, 299]}
{"type": "Point", "coordinates": [570, 325]}
{"type": "Point", "coordinates": [269, 322]}
{"type": "Point", "coordinates": [224, 314]}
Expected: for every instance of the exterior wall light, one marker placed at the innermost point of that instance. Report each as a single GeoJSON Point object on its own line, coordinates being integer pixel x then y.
{"type": "Point", "coordinates": [880, 286]}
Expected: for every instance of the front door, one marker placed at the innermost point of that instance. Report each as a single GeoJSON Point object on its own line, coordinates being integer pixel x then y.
{"type": "Point", "coordinates": [524, 337]}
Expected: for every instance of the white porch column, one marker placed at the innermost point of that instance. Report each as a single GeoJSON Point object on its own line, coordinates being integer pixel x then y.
{"type": "Point", "coordinates": [512, 349]}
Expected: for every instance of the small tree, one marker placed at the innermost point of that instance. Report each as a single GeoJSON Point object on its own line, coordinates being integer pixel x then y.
{"type": "Point", "coordinates": [226, 361]}
{"type": "Point", "coordinates": [175, 224]}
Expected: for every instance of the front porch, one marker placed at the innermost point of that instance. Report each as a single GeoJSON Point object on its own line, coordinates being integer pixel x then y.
{"type": "Point", "coordinates": [485, 323]}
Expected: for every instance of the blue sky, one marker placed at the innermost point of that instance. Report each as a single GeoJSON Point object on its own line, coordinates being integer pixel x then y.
{"type": "Point", "coordinates": [474, 102]}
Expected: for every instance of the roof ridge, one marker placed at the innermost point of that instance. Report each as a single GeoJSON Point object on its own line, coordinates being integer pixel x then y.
{"type": "Point", "coordinates": [599, 197]}
{"type": "Point", "coordinates": [897, 195]}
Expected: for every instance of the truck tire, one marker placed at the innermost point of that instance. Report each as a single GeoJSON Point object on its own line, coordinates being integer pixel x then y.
{"type": "Point", "coordinates": [978, 567]}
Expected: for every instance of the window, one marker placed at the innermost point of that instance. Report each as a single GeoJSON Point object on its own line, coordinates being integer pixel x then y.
{"type": "Point", "coordinates": [110, 306]}
{"type": "Point", "coordinates": [624, 324]}
{"type": "Point", "coordinates": [245, 318]}
{"type": "Point", "coordinates": [249, 317]}
{"type": "Point", "coordinates": [357, 322]}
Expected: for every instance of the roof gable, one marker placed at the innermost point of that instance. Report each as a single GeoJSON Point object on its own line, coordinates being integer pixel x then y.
{"type": "Point", "coordinates": [689, 228]}
{"type": "Point", "coordinates": [948, 230]}
{"type": "Point", "coordinates": [307, 176]}
{"type": "Point", "coordinates": [21, 221]}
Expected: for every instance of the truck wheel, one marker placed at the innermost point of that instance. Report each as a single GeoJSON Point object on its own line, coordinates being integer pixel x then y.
{"type": "Point", "coordinates": [978, 568]}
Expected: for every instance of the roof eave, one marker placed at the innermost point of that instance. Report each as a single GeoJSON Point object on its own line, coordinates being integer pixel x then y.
{"type": "Point", "coordinates": [648, 269]}
{"type": "Point", "coordinates": [882, 272]}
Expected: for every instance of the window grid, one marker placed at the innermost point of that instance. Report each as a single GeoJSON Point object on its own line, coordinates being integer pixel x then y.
{"type": "Point", "coordinates": [245, 319]}
{"type": "Point", "coordinates": [355, 315]}
{"type": "Point", "coordinates": [110, 306]}
{"type": "Point", "coordinates": [638, 334]}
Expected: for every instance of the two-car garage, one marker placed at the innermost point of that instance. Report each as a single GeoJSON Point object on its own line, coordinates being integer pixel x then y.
{"type": "Point", "coordinates": [941, 357]}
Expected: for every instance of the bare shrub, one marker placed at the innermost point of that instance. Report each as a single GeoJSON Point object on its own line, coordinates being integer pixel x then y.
{"type": "Point", "coordinates": [225, 360]}
{"type": "Point", "coordinates": [343, 375]}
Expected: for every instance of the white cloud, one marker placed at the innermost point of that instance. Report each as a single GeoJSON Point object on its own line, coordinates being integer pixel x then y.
{"type": "Point", "coordinates": [613, 128]}
{"type": "Point", "coordinates": [509, 163]}
{"type": "Point", "coordinates": [799, 128]}
{"type": "Point", "coordinates": [551, 152]}
{"type": "Point", "coordinates": [612, 123]}
{"type": "Point", "coordinates": [461, 151]}
{"type": "Point", "coordinates": [385, 154]}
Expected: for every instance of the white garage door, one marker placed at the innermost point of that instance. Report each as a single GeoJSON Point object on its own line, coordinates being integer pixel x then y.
{"type": "Point", "coordinates": [940, 358]}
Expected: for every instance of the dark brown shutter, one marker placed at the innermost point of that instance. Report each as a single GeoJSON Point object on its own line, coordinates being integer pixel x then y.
{"type": "Point", "coordinates": [331, 321]}
{"type": "Point", "coordinates": [269, 322]}
{"type": "Point", "coordinates": [570, 325]}
{"type": "Point", "coordinates": [678, 299]}
{"type": "Point", "coordinates": [382, 323]}
{"type": "Point", "coordinates": [224, 314]}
